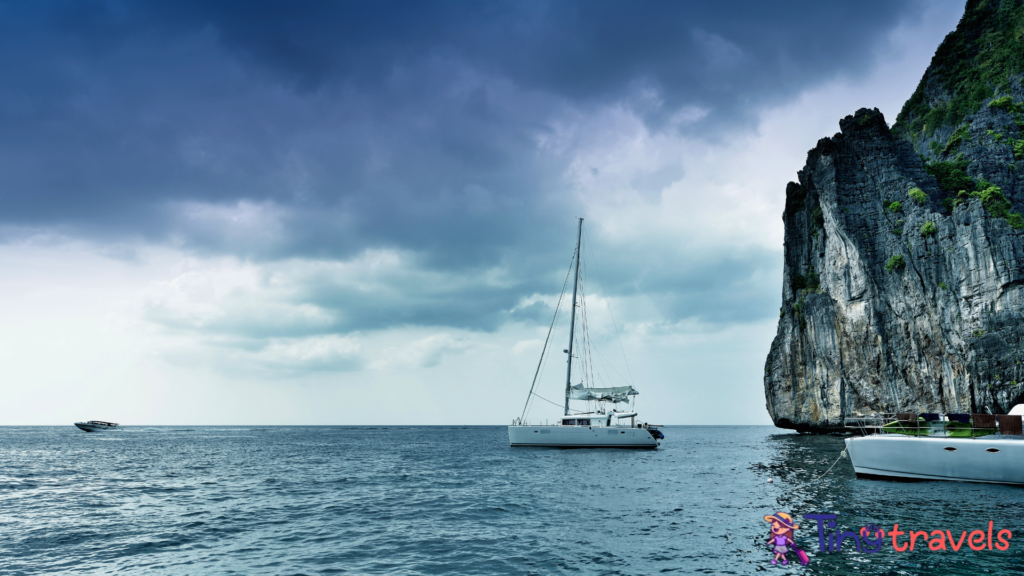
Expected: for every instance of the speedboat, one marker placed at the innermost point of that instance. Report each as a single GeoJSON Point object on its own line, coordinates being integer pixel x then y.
{"type": "Point", "coordinates": [596, 426]}
{"type": "Point", "coordinates": [96, 425]}
{"type": "Point", "coordinates": [960, 447]}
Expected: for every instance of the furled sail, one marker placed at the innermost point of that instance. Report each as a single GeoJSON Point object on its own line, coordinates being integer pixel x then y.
{"type": "Point", "coordinates": [615, 394]}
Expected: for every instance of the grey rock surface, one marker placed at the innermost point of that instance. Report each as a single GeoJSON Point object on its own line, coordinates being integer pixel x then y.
{"type": "Point", "coordinates": [941, 332]}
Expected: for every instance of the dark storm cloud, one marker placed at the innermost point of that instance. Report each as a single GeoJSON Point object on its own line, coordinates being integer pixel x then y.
{"type": "Point", "coordinates": [321, 129]}
{"type": "Point", "coordinates": [729, 55]}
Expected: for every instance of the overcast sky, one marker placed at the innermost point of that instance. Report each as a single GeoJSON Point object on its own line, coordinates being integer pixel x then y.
{"type": "Point", "coordinates": [363, 212]}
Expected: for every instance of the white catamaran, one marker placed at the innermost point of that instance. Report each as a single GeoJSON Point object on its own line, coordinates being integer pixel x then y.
{"type": "Point", "coordinates": [595, 427]}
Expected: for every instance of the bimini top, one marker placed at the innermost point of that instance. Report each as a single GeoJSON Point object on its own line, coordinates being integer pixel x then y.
{"type": "Point", "coordinates": [614, 394]}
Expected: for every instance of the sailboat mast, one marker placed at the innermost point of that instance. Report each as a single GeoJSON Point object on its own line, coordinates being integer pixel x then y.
{"type": "Point", "coordinates": [572, 323]}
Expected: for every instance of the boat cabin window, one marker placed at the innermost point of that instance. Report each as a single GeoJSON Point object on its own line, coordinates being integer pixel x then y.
{"type": "Point", "coordinates": [576, 422]}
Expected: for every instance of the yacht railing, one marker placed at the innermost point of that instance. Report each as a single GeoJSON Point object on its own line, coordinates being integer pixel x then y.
{"type": "Point", "coordinates": [928, 425]}
{"type": "Point", "coordinates": [594, 422]}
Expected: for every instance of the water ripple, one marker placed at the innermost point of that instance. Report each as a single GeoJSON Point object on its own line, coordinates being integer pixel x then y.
{"type": "Point", "coordinates": [452, 500]}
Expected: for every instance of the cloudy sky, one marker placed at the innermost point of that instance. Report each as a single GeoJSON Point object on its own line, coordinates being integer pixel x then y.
{"type": "Point", "coordinates": [363, 212]}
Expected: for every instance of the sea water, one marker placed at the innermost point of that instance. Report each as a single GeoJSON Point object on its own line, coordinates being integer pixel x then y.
{"type": "Point", "coordinates": [458, 500]}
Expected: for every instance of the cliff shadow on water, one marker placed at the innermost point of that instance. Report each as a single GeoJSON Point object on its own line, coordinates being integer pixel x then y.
{"type": "Point", "coordinates": [903, 288]}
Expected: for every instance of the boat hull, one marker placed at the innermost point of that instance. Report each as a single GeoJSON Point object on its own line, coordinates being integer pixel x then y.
{"type": "Point", "coordinates": [580, 437]}
{"type": "Point", "coordinates": [994, 460]}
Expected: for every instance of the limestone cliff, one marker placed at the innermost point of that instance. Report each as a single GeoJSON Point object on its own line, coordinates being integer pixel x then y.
{"type": "Point", "coordinates": [903, 287]}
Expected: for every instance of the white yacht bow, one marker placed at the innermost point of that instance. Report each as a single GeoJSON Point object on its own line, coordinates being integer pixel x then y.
{"type": "Point", "coordinates": [961, 447]}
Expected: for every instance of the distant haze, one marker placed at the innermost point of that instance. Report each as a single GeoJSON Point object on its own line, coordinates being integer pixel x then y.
{"type": "Point", "coordinates": [362, 212]}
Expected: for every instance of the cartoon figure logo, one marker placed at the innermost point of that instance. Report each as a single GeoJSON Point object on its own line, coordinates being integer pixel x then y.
{"type": "Point", "coordinates": [781, 538]}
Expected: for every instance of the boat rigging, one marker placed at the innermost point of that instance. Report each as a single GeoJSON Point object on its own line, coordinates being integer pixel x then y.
{"type": "Point", "coordinates": [596, 426]}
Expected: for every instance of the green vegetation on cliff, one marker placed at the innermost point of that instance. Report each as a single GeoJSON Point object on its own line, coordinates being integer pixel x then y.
{"type": "Point", "coordinates": [995, 203]}
{"type": "Point", "coordinates": [918, 194]}
{"type": "Point", "coordinates": [954, 180]}
{"type": "Point", "coordinates": [959, 135]}
{"type": "Point", "coordinates": [810, 283]}
{"type": "Point", "coordinates": [895, 263]}
{"type": "Point", "coordinates": [1007, 103]}
{"type": "Point", "coordinates": [951, 175]}
{"type": "Point", "coordinates": [974, 63]}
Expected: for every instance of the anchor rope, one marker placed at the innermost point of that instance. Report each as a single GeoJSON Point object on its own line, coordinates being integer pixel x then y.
{"type": "Point", "coordinates": [841, 456]}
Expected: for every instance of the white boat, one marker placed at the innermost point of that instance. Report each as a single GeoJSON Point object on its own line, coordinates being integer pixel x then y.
{"type": "Point", "coordinates": [597, 426]}
{"type": "Point", "coordinates": [958, 447]}
{"type": "Point", "coordinates": [594, 430]}
{"type": "Point", "coordinates": [96, 425]}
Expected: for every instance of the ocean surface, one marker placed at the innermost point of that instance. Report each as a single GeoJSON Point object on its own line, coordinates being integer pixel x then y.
{"type": "Point", "coordinates": [458, 500]}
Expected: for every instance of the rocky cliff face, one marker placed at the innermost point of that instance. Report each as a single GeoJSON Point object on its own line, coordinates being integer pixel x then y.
{"type": "Point", "coordinates": [903, 287]}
